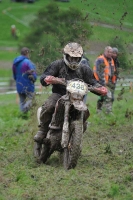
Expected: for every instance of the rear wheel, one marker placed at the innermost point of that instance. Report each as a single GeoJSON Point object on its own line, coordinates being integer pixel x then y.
{"type": "Point", "coordinates": [51, 144]}
{"type": "Point", "coordinates": [41, 152]}
{"type": "Point", "coordinates": [44, 155]}
{"type": "Point", "coordinates": [37, 149]}
{"type": "Point", "coordinates": [72, 151]}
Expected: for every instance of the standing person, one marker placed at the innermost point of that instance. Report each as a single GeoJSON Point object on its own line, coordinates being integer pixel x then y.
{"type": "Point", "coordinates": [117, 65]}
{"type": "Point", "coordinates": [85, 61]}
{"type": "Point", "coordinates": [104, 72]}
{"type": "Point", "coordinates": [116, 61]}
{"type": "Point", "coordinates": [13, 31]}
{"type": "Point", "coordinates": [24, 73]}
{"type": "Point", "coordinates": [68, 68]}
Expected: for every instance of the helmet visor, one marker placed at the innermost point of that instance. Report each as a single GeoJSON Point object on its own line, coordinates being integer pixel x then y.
{"type": "Point", "coordinates": [73, 59]}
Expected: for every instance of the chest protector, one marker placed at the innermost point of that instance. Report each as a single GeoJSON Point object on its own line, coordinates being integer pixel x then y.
{"type": "Point", "coordinates": [63, 73]}
{"type": "Point", "coordinates": [107, 70]}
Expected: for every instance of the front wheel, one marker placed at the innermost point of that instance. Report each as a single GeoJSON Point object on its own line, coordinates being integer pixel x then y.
{"type": "Point", "coordinates": [73, 150]}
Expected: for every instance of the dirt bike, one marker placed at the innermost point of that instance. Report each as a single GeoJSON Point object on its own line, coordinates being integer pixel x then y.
{"type": "Point", "coordinates": [68, 124]}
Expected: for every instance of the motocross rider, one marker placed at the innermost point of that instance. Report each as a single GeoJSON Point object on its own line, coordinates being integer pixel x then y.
{"type": "Point", "coordinates": [69, 67]}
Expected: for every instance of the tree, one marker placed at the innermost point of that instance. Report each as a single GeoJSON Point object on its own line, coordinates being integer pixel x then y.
{"type": "Point", "coordinates": [123, 58]}
{"type": "Point", "coordinates": [52, 29]}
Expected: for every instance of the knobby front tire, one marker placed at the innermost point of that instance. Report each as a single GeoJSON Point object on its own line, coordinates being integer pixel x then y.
{"type": "Point", "coordinates": [73, 150]}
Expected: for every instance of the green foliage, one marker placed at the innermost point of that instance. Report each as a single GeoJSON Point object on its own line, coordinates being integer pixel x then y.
{"type": "Point", "coordinates": [53, 28]}
{"type": "Point", "coordinates": [5, 73]}
{"type": "Point", "coordinates": [104, 170]}
{"type": "Point", "coordinates": [114, 190]}
{"type": "Point", "coordinates": [21, 14]}
{"type": "Point", "coordinates": [8, 55]}
{"type": "Point", "coordinates": [123, 57]}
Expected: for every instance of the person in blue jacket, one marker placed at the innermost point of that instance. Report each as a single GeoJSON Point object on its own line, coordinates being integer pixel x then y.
{"type": "Point", "coordinates": [24, 73]}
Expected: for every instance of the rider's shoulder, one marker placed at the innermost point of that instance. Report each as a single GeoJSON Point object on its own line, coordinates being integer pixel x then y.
{"type": "Point", "coordinates": [57, 63]}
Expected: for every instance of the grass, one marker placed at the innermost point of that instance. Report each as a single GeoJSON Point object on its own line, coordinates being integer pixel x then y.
{"type": "Point", "coordinates": [8, 54]}
{"type": "Point", "coordinates": [5, 73]}
{"type": "Point", "coordinates": [107, 33]}
{"type": "Point", "coordinates": [21, 14]}
{"type": "Point", "coordinates": [104, 170]}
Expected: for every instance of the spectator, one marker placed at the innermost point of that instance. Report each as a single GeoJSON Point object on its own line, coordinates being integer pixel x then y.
{"type": "Point", "coordinates": [104, 72]}
{"type": "Point", "coordinates": [25, 76]}
{"type": "Point", "coordinates": [13, 31]}
{"type": "Point", "coordinates": [116, 61]}
{"type": "Point", "coordinates": [85, 61]}
{"type": "Point", "coordinates": [117, 65]}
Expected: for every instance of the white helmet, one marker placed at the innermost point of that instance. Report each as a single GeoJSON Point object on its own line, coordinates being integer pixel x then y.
{"type": "Point", "coordinates": [73, 53]}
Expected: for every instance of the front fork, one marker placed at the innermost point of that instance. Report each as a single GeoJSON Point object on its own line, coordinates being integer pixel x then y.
{"type": "Point", "coordinates": [65, 129]}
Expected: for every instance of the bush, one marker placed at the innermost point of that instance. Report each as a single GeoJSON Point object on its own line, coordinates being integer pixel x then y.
{"type": "Point", "coordinates": [54, 28]}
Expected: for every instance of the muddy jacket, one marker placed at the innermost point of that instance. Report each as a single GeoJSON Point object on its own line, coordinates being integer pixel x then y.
{"type": "Point", "coordinates": [59, 69]}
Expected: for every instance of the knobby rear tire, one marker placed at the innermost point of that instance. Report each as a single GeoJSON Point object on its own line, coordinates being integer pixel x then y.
{"type": "Point", "coordinates": [48, 149]}
{"type": "Point", "coordinates": [36, 150]}
{"type": "Point", "coordinates": [41, 154]}
{"type": "Point", "coordinates": [44, 153]}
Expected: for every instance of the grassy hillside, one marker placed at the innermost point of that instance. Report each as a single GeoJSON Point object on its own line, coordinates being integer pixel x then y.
{"type": "Point", "coordinates": [116, 13]}
{"type": "Point", "coordinates": [105, 168]}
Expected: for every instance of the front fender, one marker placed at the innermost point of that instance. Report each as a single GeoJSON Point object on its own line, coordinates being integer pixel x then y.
{"type": "Point", "coordinates": [79, 105]}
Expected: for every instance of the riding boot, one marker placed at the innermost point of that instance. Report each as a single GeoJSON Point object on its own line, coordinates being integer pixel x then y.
{"type": "Point", "coordinates": [40, 135]}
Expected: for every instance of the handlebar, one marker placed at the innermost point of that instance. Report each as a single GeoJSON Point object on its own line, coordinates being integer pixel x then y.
{"type": "Point", "coordinates": [55, 80]}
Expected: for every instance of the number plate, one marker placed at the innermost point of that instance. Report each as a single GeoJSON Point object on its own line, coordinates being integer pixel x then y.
{"type": "Point", "coordinates": [77, 87]}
